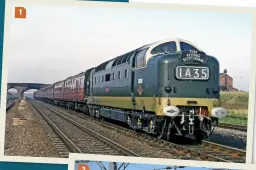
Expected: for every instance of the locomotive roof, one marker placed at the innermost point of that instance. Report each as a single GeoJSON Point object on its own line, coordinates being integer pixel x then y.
{"type": "Point", "coordinates": [122, 59]}
{"type": "Point", "coordinates": [177, 40]}
{"type": "Point", "coordinates": [125, 57]}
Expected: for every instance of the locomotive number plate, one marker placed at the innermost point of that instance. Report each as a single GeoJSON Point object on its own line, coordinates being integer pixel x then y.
{"type": "Point", "coordinates": [192, 73]}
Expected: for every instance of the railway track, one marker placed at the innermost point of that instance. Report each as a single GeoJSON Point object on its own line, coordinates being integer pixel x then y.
{"type": "Point", "coordinates": [79, 138]}
{"type": "Point", "coordinates": [206, 151]}
{"type": "Point", "coordinates": [237, 155]}
{"type": "Point", "coordinates": [231, 126]}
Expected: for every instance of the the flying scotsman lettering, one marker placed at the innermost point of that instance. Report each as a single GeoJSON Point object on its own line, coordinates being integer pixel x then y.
{"type": "Point", "coordinates": [193, 55]}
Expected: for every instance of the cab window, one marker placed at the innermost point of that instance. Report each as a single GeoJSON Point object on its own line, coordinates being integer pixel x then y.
{"type": "Point", "coordinates": [140, 58]}
{"type": "Point", "coordinates": [185, 46]}
{"type": "Point", "coordinates": [169, 47]}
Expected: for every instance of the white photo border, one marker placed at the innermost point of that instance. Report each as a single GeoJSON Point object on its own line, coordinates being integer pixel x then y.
{"type": "Point", "coordinates": [153, 161]}
{"type": "Point", "coordinates": [207, 8]}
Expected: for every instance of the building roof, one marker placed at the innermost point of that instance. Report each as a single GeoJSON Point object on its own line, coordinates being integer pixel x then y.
{"type": "Point", "coordinates": [221, 74]}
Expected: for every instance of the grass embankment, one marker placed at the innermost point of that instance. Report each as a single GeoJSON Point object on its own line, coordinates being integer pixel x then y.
{"type": "Point", "coordinates": [237, 105]}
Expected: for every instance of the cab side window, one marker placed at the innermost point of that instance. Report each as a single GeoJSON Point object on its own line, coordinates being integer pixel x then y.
{"type": "Point", "coordinates": [169, 47]}
{"type": "Point", "coordinates": [140, 58]}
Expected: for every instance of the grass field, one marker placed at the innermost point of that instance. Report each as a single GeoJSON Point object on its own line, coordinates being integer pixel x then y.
{"type": "Point", "coordinates": [237, 105]}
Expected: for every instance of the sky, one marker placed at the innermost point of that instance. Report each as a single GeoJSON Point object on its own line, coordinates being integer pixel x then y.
{"type": "Point", "coordinates": [132, 166]}
{"type": "Point", "coordinates": [55, 42]}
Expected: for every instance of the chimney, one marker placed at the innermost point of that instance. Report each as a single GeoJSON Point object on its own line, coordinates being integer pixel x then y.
{"type": "Point", "coordinates": [225, 72]}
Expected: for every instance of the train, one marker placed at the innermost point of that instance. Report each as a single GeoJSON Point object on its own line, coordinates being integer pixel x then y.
{"type": "Point", "coordinates": [10, 99]}
{"type": "Point", "coordinates": [166, 88]}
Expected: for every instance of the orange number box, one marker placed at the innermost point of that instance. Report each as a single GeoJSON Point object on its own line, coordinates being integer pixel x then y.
{"type": "Point", "coordinates": [20, 12]}
{"type": "Point", "coordinates": [83, 167]}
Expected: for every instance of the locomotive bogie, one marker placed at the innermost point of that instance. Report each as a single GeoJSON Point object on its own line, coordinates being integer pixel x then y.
{"type": "Point", "coordinates": [184, 123]}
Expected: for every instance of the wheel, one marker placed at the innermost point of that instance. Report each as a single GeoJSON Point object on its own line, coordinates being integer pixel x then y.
{"type": "Point", "coordinates": [129, 121]}
{"type": "Point", "coordinates": [161, 134]}
{"type": "Point", "coordinates": [97, 114]}
{"type": "Point", "coordinates": [91, 112]}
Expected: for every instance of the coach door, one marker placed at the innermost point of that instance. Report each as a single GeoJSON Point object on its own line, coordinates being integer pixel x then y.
{"type": "Point", "coordinates": [86, 84]}
{"type": "Point", "coordinates": [87, 88]}
{"type": "Point", "coordinates": [91, 84]}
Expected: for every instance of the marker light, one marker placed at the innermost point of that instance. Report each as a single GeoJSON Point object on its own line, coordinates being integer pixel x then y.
{"type": "Point", "coordinates": [171, 111]}
{"type": "Point", "coordinates": [219, 112]}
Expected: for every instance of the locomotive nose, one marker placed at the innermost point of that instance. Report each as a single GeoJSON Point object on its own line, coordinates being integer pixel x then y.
{"type": "Point", "coordinates": [219, 112]}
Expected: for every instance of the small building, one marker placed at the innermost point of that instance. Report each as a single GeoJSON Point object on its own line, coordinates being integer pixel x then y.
{"type": "Point", "coordinates": [226, 82]}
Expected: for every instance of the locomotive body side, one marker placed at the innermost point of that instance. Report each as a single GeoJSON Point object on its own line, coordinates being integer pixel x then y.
{"type": "Point", "coordinates": [175, 92]}
{"type": "Point", "coordinates": [111, 87]}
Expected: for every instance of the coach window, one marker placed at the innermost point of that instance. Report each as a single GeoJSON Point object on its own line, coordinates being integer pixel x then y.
{"type": "Point", "coordinates": [140, 58]}
{"type": "Point", "coordinates": [169, 47]}
{"type": "Point", "coordinates": [77, 84]}
{"type": "Point", "coordinates": [81, 86]}
{"type": "Point", "coordinates": [185, 46]}
{"type": "Point", "coordinates": [102, 78]}
{"type": "Point", "coordinates": [95, 80]}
